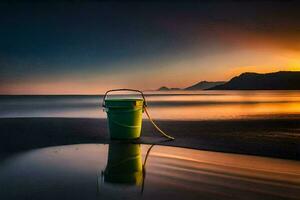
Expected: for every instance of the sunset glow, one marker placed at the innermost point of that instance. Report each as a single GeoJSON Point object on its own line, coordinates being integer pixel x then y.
{"type": "Point", "coordinates": [143, 50]}
{"type": "Point", "coordinates": [166, 100]}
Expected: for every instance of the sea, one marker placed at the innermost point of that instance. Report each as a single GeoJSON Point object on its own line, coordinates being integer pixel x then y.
{"type": "Point", "coordinates": [173, 105]}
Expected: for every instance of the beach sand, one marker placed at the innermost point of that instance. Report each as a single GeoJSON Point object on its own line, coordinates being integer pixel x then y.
{"type": "Point", "coordinates": [268, 137]}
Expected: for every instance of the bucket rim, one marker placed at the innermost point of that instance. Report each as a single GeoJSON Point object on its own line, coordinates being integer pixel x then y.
{"type": "Point", "coordinates": [135, 99]}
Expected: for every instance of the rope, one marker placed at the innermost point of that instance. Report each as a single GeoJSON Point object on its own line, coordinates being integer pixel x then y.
{"type": "Point", "coordinates": [145, 105]}
{"type": "Point", "coordinates": [157, 128]}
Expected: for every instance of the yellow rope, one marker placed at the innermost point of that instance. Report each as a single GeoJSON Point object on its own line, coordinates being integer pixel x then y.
{"type": "Point", "coordinates": [157, 128]}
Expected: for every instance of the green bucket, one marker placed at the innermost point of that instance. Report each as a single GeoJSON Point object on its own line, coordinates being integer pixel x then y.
{"type": "Point", "coordinates": [124, 116]}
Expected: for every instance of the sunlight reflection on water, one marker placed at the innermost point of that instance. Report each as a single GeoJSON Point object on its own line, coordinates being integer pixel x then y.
{"type": "Point", "coordinates": [74, 171]}
{"type": "Point", "coordinates": [197, 105]}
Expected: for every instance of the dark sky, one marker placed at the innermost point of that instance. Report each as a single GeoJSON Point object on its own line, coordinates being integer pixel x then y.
{"type": "Point", "coordinates": [87, 47]}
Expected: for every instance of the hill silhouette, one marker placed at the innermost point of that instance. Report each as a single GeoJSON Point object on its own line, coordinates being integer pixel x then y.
{"type": "Point", "coordinates": [203, 85]}
{"type": "Point", "coordinates": [282, 80]}
{"type": "Point", "coordinates": [164, 88]}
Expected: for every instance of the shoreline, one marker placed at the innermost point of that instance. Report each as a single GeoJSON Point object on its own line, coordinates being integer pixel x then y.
{"type": "Point", "coordinates": [279, 138]}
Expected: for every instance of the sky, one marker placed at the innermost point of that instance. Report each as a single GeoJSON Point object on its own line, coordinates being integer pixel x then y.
{"type": "Point", "coordinates": [79, 47]}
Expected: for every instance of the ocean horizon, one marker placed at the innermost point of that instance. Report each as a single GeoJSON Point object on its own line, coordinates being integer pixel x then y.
{"type": "Point", "coordinates": [175, 105]}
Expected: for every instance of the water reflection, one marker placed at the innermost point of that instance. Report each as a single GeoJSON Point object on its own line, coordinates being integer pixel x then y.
{"type": "Point", "coordinates": [196, 105]}
{"type": "Point", "coordinates": [124, 164]}
{"type": "Point", "coordinates": [74, 172]}
{"type": "Point", "coordinates": [125, 168]}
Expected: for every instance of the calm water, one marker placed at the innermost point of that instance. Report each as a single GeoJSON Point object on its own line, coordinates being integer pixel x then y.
{"type": "Point", "coordinates": [119, 171]}
{"type": "Point", "coordinates": [198, 105]}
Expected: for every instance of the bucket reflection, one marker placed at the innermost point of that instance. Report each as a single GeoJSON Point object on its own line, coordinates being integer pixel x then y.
{"type": "Point", "coordinates": [124, 164]}
{"type": "Point", "coordinates": [125, 171]}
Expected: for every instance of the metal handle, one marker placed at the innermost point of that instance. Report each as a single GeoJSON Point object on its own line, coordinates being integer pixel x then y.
{"type": "Point", "coordinates": [115, 90]}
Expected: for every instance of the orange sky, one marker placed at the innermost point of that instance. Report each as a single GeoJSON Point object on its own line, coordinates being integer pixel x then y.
{"type": "Point", "coordinates": [176, 72]}
{"type": "Point", "coordinates": [176, 47]}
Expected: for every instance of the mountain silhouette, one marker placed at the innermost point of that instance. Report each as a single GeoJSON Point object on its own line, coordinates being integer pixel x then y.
{"type": "Point", "coordinates": [282, 80]}
{"type": "Point", "coordinates": [203, 85]}
{"type": "Point", "coordinates": [164, 88]}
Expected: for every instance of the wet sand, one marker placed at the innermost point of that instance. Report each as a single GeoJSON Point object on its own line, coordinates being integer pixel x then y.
{"type": "Point", "coordinates": [120, 171]}
{"type": "Point", "coordinates": [267, 137]}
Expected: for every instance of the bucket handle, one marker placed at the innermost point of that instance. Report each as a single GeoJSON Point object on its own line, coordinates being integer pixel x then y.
{"type": "Point", "coordinates": [144, 106]}
{"type": "Point", "coordinates": [131, 90]}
